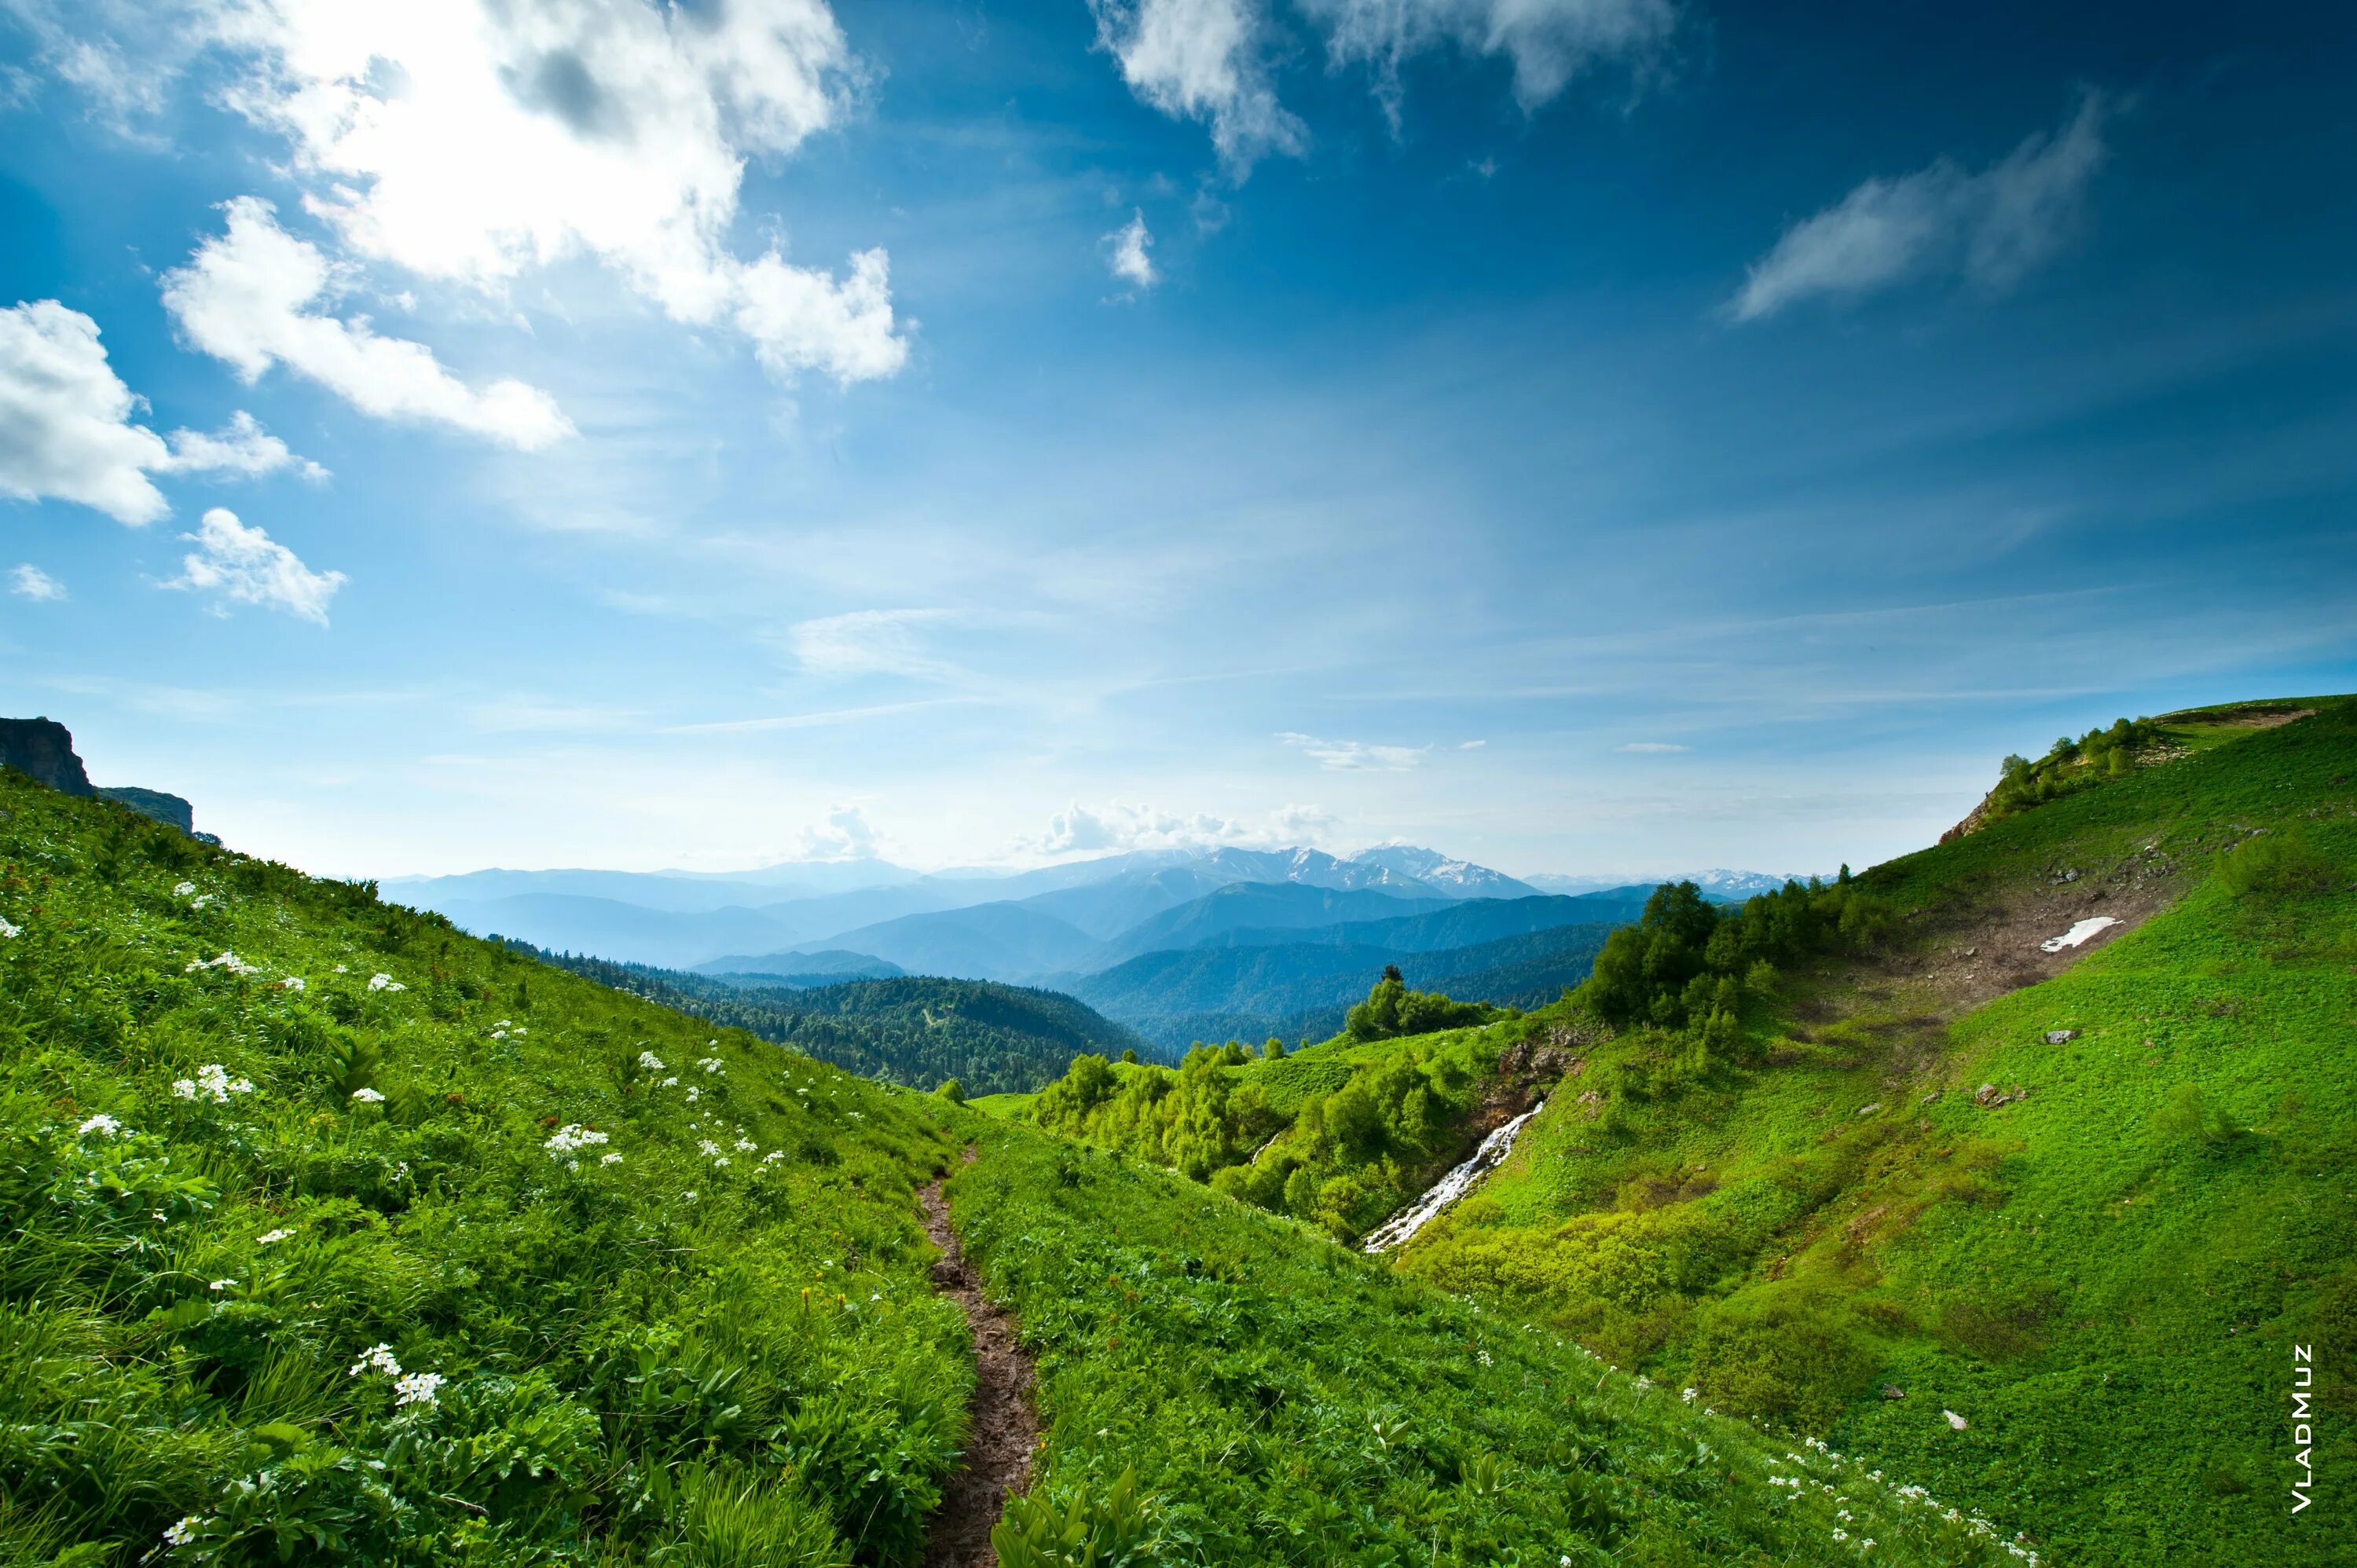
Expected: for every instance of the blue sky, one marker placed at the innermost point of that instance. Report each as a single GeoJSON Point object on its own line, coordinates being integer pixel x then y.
{"type": "Point", "coordinates": [1582, 435]}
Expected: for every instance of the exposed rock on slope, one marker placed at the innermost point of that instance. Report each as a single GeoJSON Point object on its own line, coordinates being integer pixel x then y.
{"type": "Point", "coordinates": [43, 750]}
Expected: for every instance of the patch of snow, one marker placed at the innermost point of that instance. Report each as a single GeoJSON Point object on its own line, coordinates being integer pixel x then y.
{"type": "Point", "coordinates": [2077, 934]}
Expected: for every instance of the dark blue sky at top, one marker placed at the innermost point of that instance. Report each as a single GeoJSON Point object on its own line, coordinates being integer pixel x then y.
{"type": "Point", "coordinates": [1417, 441]}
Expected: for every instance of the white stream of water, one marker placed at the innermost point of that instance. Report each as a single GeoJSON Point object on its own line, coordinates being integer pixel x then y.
{"type": "Point", "coordinates": [1452, 1187]}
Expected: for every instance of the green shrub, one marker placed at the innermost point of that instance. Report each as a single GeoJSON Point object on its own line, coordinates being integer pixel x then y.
{"type": "Point", "coordinates": [2276, 866]}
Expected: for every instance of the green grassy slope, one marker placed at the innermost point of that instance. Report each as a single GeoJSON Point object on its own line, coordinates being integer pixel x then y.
{"type": "Point", "coordinates": [913, 1030]}
{"type": "Point", "coordinates": [1274, 1399]}
{"type": "Point", "coordinates": [721, 1348]}
{"type": "Point", "coordinates": [2104, 1277]}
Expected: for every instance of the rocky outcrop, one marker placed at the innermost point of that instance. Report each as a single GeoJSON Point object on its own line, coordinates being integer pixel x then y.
{"type": "Point", "coordinates": [42, 749]}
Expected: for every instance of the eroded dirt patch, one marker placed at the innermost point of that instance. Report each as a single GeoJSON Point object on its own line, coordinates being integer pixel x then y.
{"type": "Point", "coordinates": [1006, 1426]}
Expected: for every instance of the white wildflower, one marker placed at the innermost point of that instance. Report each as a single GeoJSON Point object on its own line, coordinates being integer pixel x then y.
{"type": "Point", "coordinates": [773, 1157]}
{"type": "Point", "coordinates": [376, 1359]}
{"type": "Point", "coordinates": [1690, 1395]}
{"type": "Point", "coordinates": [213, 1080]}
{"type": "Point", "coordinates": [183, 1532]}
{"type": "Point", "coordinates": [688, 1197]}
{"type": "Point", "coordinates": [368, 1097]}
{"type": "Point", "coordinates": [671, 1083]}
{"type": "Point", "coordinates": [610, 1159]}
{"type": "Point", "coordinates": [418, 1388]}
{"type": "Point", "coordinates": [293, 983]}
{"type": "Point", "coordinates": [746, 1145]}
{"type": "Point", "coordinates": [1841, 1535]}
{"type": "Point", "coordinates": [200, 901]}
{"type": "Point", "coordinates": [102, 1124]}
{"type": "Point", "coordinates": [712, 1064]}
{"type": "Point", "coordinates": [342, 970]}
{"type": "Point", "coordinates": [570, 1138]}
{"type": "Point", "coordinates": [221, 1284]}
{"type": "Point", "coordinates": [650, 1061]}
{"type": "Point", "coordinates": [707, 1148]}
{"type": "Point", "coordinates": [271, 1238]}
{"type": "Point", "coordinates": [183, 889]}
{"type": "Point", "coordinates": [224, 960]}
{"type": "Point", "coordinates": [6, 929]}
{"type": "Point", "coordinates": [694, 1094]}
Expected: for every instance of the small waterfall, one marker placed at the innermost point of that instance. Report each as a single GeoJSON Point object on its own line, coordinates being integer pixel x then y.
{"type": "Point", "coordinates": [1452, 1187]}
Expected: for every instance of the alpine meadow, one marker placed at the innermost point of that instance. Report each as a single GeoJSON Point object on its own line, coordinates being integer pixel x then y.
{"type": "Point", "coordinates": [1177, 784]}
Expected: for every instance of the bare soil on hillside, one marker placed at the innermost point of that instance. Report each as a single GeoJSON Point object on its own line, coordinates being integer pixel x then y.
{"type": "Point", "coordinates": [1005, 1425]}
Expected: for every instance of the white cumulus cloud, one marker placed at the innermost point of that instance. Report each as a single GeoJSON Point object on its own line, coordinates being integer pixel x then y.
{"type": "Point", "coordinates": [1082, 829]}
{"type": "Point", "coordinates": [67, 430]}
{"type": "Point", "coordinates": [1356, 756]}
{"type": "Point", "coordinates": [249, 296]}
{"type": "Point", "coordinates": [1991, 227]}
{"type": "Point", "coordinates": [246, 566]}
{"type": "Point", "coordinates": [474, 140]}
{"type": "Point", "coordinates": [1200, 60]}
{"type": "Point", "coordinates": [846, 834]}
{"type": "Point", "coordinates": [1128, 253]}
{"type": "Point", "coordinates": [29, 582]}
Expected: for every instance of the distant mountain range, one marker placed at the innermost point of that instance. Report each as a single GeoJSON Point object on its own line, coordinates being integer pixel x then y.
{"type": "Point", "coordinates": [1179, 943]}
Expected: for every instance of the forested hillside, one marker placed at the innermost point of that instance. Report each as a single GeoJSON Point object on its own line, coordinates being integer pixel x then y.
{"type": "Point", "coordinates": [919, 1032]}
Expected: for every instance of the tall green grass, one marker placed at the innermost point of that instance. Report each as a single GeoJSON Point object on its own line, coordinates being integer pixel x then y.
{"type": "Point", "coordinates": [334, 1236]}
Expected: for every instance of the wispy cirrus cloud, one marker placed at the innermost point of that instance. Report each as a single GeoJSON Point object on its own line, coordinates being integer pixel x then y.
{"type": "Point", "coordinates": [870, 643]}
{"type": "Point", "coordinates": [1353, 756]}
{"type": "Point", "coordinates": [1992, 228]}
{"type": "Point", "coordinates": [1651, 747]}
{"type": "Point", "coordinates": [29, 582]}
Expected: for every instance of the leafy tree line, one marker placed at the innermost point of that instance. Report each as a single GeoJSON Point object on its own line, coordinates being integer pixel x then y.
{"type": "Point", "coordinates": [915, 1031]}
{"type": "Point", "coordinates": [1688, 967]}
{"type": "Point", "coordinates": [2095, 758]}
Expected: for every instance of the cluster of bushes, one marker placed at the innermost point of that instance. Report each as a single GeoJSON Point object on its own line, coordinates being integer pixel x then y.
{"type": "Point", "coordinates": [334, 1236]}
{"type": "Point", "coordinates": [1392, 1010]}
{"type": "Point", "coordinates": [1343, 1159]}
{"type": "Point", "coordinates": [1689, 966]}
{"type": "Point", "coordinates": [2095, 758]}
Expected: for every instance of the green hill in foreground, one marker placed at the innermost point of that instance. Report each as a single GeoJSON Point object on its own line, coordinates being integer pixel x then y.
{"type": "Point", "coordinates": [913, 1030]}
{"type": "Point", "coordinates": [335, 1235]}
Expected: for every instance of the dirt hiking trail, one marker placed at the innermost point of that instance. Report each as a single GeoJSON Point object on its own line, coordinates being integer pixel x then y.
{"type": "Point", "coordinates": [1005, 1428]}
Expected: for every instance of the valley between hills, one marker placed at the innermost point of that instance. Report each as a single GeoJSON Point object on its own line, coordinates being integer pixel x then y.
{"type": "Point", "coordinates": [1863, 1217]}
